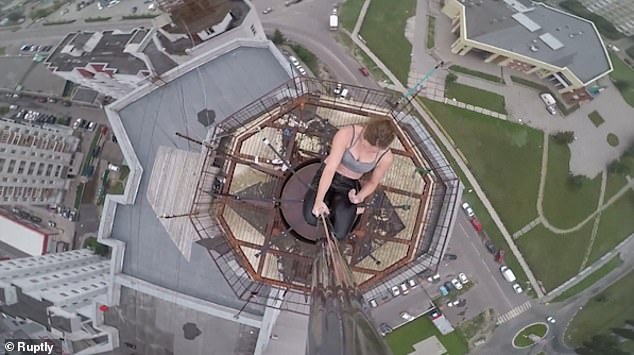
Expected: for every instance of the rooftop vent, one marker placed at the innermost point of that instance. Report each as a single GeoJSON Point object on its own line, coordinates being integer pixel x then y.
{"type": "Point", "coordinates": [551, 41]}
{"type": "Point", "coordinates": [525, 21]}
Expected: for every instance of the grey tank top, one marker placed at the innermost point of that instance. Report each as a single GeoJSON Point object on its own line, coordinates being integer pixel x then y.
{"type": "Point", "coordinates": [349, 161]}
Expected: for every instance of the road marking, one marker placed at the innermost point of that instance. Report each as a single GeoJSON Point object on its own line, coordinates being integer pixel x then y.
{"type": "Point", "coordinates": [491, 272]}
{"type": "Point", "coordinates": [514, 312]}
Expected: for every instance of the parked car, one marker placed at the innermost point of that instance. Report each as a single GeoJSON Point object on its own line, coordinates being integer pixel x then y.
{"type": "Point", "coordinates": [78, 122]}
{"type": "Point", "coordinates": [463, 278]}
{"type": "Point", "coordinates": [443, 291]}
{"type": "Point", "coordinates": [507, 273]}
{"type": "Point", "coordinates": [517, 288]}
{"type": "Point", "coordinates": [412, 283]}
{"type": "Point", "coordinates": [450, 287]}
{"type": "Point", "coordinates": [51, 100]}
{"type": "Point", "coordinates": [92, 126]}
{"type": "Point", "coordinates": [113, 167]}
{"type": "Point", "coordinates": [373, 303]}
{"type": "Point", "coordinates": [450, 256]}
{"type": "Point", "coordinates": [385, 328]}
{"type": "Point", "coordinates": [301, 70]}
{"type": "Point", "coordinates": [41, 99]}
{"type": "Point", "coordinates": [490, 247]}
{"type": "Point", "coordinates": [404, 289]}
{"type": "Point", "coordinates": [467, 209]}
{"type": "Point", "coordinates": [456, 284]}
{"type": "Point", "coordinates": [551, 320]}
{"type": "Point", "coordinates": [476, 224]}
{"type": "Point", "coordinates": [550, 102]}
{"type": "Point", "coordinates": [453, 303]}
{"type": "Point", "coordinates": [52, 224]}
{"type": "Point", "coordinates": [364, 71]}
{"type": "Point", "coordinates": [293, 60]}
{"type": "Point", "coordinates": [66, 103]}
{"type": "Point", "coordinates": [407, 316]}
{"type": "Point", "coordinates": [395, 291]}
{"type": "Point", "coordinates": [35, 219]}
{"type": "Point", "coordinates": [268, 10]}
{"type": "Point", "coordinates": [338, 89]}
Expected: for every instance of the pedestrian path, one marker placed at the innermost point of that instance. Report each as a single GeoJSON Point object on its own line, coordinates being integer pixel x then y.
{"type": "Point", "coordinates": [514, 312]}
{"type": "Point", "coordinates": [527, 228]}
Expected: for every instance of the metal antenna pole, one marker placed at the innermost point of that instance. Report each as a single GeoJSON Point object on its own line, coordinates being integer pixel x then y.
{"type": "Point", "coordinates": [411, 92]}
{"type": "Point", "coordinates": [285, 162]}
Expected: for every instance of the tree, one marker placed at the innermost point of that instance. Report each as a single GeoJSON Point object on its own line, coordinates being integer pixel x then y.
{"type": "Point", "coordinates": [630, 322]}
{"type": "Point", "coordinates": [630, 153]}
{"type": "Point", "coordinates": [278, 38]}
{"type": "Point", "coordinates": [624, 332]}
{"type": "Point", "coordinates": [451, 78]}
{"type": "Point", "coordinates": [622, 85]}
{"type": "Point", "coordinates": [576, 181]}
{"type": "Point", "coordinates": [618, 167]}
{"type": "Point", "coordinates": [4, 110]}
{"type": "Point", "coordinates": [15, 16]}
{"type": "Point", "coordinates": [565, 137]}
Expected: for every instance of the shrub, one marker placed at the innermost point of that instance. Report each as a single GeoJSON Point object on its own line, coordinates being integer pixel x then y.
{"type": "Point", "coordinates": [618, 167]}
{"type": "Point", "coordinates": [278, 38]}
{"type": "Point", "coordinates": [451, 78]}
{"type": "Point", "coordinates": [566, 137]}
{"type": "Point", "coordinates": [576, 181]}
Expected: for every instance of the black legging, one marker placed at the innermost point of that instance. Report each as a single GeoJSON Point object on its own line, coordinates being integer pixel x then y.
{"type": "Point", "coordinates": [342, 212]}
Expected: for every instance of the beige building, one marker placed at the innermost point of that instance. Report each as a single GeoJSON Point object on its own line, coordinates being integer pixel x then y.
{"type": "Point", "coordinates": [532, 38]}
{"type": "Point", "coordinates": [619, 12]}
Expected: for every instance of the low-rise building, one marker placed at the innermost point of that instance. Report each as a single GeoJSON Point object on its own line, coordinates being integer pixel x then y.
{"type": "Point", "coordinates": [532, 38]}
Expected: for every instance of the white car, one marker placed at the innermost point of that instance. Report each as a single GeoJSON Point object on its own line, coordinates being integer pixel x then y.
{"type": "Point", "coordinates": [406, 316]}
{"type": "Point", "coordinates": [412, 283]}
{"type": "Point", "coordinates": [517, 288]}
{"type": "Point", "coordinates": [77, 123]}
{"type": "Point", "coordinates": [463, 278]}
{"type": "Point", "coordinates": [396, 291]}
{"type": "Point", "coordinates": [404, 288]}
{"type": "Point", "coordinates": [453, 303]}
{"type": "Point", "coordinates": [293, 60]}
{"type": "Point", "coordinates": [373, 303]}
{"type": "Point", "coordinates": [301, 70]}
{"type": "Point", "coordinates": [338, 89]}
{"type": "Point", "coordinates": [468, 210]}
{"type": "Point", "coordinates": [456, 284]}
{"type": "Point", "coordinates": [551, 320]}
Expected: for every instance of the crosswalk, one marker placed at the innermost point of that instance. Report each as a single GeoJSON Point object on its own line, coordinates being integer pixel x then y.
{"type": "Point", "coordinates": [514, 312]}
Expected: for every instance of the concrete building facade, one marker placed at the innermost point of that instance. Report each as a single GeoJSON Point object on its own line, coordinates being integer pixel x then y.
{"type": "Point", "coordinates": [619, 12]}
{"type": "Point", "coordinates": [63, 293]}
{"type": "Point", "coordinates": [34, 163]}
{"type": "Point", "coordinates": [532, 38]}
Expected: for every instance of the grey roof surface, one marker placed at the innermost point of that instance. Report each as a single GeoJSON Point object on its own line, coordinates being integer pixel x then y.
{"type": "Point", "coordinates": [159, 60]}
{"type": "Point", "coordinates": [224, 84]}
{"type": "Point", "coordinates": [148, 325]}
{"type": "Point", "coordinates": [109, 50]}
{"type": "Point", "coordinates": [491, 23]}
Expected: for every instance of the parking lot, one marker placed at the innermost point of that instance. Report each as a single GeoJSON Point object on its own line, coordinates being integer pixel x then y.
{"type": "Point", "coordinates": [91, 10]}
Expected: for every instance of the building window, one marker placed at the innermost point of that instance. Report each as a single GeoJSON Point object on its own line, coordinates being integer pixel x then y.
{"type": "Point", "coordinates": [253, 30]}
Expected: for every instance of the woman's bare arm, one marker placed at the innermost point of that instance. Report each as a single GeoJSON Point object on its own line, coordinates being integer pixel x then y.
{"type": "Point", "coordinates": [338, 146]}
{"type": "Point", "coordinates": [384, 164]}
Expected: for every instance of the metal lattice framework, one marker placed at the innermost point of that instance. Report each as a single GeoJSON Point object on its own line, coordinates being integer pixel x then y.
{"type": "Point", "coordinates": [236, 210]}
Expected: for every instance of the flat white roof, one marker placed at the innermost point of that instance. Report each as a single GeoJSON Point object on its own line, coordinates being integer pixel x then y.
{"type": "Point", "coordinates": [22, 237]}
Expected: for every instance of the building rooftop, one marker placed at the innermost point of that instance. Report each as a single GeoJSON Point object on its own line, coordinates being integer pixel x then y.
{"type": "Point", "coordinates": [154, 326]}
{"type": "Point", "coordinates": [191, 17]}
{"type": "Point", "coordinates": [222, 81]}
{"type": "Point", "coordinates": [83, 48]}
{"type": "Point", "coordinates": [539, 32]}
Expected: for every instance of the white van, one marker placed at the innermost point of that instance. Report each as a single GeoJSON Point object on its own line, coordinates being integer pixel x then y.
{"type": "Point", "coordinates": [507, 273]}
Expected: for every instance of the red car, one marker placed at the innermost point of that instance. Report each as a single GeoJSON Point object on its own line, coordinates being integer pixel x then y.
{"type": "Point", "coordinates": [476, 224]}
{"type": "Point", "coordinates": [364, 71]}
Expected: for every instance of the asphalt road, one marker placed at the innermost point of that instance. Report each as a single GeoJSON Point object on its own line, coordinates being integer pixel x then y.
{"type": "Point", "coordinates": [307, 24]}
{"type": "Point", "coordinates": [563, 312]}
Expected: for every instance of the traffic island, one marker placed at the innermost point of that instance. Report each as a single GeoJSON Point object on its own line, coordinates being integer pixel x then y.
{"type": "Point", "coordinates": [530, 335]}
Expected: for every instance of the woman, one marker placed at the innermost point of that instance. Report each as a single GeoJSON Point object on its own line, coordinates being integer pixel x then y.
{"type": "Point", "coordinates": [355, 150]}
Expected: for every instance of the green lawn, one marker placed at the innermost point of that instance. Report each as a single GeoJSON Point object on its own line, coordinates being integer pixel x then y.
{"type": "Point", "coordinates": [384, 31]}
{"type": "Point", "coordinates": [1, 50]}
{"type": "Point", "coordinates": [564, 204]}
{"type": "Point", "coordinates": [504, 157]}
{"type": "Point", "coordinates": [431, 32]}
{"type": "Point", "coordinates": [607, 310]}
{"type": "Point", "coordinates": [623, 73]}
{"type": "Point", "coordinates": [79, 193]}
{"type": "Point", "coordinates": [616, 224]}
{"type": "Point", "coordinates": [475, 96]}
{"type": "Point", "coordinates": [401, 340]}
{"type": "Point", "coordinates": [479, 74]}
{"type": "Point", "coordinates": [522, 340]}
{"type": "Point", "coordinates": [306, 56]}
{"type": "Point", "coordinates": [604, 26]}
{"type": "Point", "coordinates": [630, 52]}
{"type": "Point", "coordinates": [554, 258]}
{"type": "Point", "coordinates": [358, 53]}
{"type": "Point", "coordinates": [590, 279]}
{"type": "Point", "coordinates": [596, 118]}
{"type": "Point", "coordinates": [349, 13]}
{"type": "Point", "coordinates": [614, 184]}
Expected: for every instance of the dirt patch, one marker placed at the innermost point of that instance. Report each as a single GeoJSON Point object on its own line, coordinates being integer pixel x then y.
{"type": "Point", "coordinates": [479, 329]}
